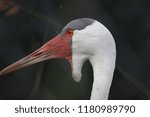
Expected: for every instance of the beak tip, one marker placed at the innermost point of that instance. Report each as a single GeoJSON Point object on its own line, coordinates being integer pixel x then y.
{"type": "Point", "coordinates": [2, 72]}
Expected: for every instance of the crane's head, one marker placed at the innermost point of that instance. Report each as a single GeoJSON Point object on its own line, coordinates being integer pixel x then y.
{"type": "Point", "coordinates": [77, 42]}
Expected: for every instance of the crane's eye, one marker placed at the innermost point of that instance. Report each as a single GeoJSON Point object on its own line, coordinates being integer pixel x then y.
{"type": "Point", "coordinates": [69, 32]}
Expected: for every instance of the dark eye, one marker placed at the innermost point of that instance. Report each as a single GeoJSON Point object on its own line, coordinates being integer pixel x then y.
{"type": "Point", "coordinates": [69, 32]}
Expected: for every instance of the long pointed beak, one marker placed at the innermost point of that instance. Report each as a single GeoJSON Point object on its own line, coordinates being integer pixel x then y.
{"type": "Point", "coordinates": [52, 49]}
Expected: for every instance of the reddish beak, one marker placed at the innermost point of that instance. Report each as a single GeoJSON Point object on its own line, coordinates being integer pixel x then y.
{"type": "Point", "coordinates": [58, 47]}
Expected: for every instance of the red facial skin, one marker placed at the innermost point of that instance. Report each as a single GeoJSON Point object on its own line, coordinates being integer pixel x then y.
{"type": "Point", "coordinates": [59, 47]}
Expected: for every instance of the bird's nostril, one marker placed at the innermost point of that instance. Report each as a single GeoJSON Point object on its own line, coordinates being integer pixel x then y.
{"type": "Point", "coordinates": [36, 54]}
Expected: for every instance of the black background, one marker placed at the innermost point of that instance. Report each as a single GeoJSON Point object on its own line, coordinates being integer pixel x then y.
{"type": "Point", "coordinates": [40, 20]}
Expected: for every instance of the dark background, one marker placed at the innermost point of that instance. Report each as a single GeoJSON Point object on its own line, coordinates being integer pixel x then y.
{"type": "Point", "coordinates": [36, 21]}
